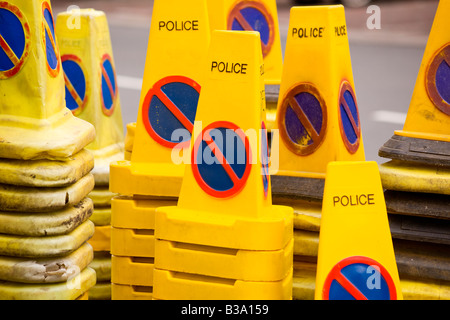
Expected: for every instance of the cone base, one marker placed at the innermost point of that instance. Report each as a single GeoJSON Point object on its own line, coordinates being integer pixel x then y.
{"type": "Point", "coordinates": [70, 290]}
{"type": "Point", "coordinates": [46, 247]}
{"type": "Point", "coordinates": [420, 229]}
{"type": "Point", "coordinates": [45, 270]}
{"type": "Point", "coordinates": [103, 158]}
{"type": "Point", "coordinates": [418, 204]}
{"type": "Point", "coordinates": [293, 187]}
{"type": "Point", "coordinates": [54, 139]}
{"type": "Point", "coordinates": [171, 285]}
{"type": "Point", "coordinates": [411, 177]}
{"type": "Point", "coordinates": [424, 151]}
{"type": "Point", "coordinates": [46, 173]}
{"type": "Point", "coordinates": [48, 223]}
{"type": "Point", "coordinates": [31, 199]}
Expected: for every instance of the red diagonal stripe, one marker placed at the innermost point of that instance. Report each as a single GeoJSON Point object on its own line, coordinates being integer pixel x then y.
{"type": "Point", "coordinates": [247, 27]}
{"type": "Point", "coordinates": [175, 111]}
{"type": "Point", "coordinates": [108, 82]}
{"type": "Point", "coordinates": [9, 52]}
{"type": "Point", "coordinates": [304, 119]}
{"type": "Point", "coordinates": [350, 116]}
{"type": "Point", "coordinates": [347, 285]}
{"type": "Point", "coordinates": [219, 155]}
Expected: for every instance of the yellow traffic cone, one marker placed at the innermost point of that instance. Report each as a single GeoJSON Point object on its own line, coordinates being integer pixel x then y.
{"type": "Point", "coordinates": [178, 42]}
{"type": "Point", "coordinates": [44, 167]}
{"type": "Point", "coordinates": [317, 121]}
{"type": "Point", "coordinates": [417, 178]}
{"type": "Point", "coordinates": [356, 256]}
{"type": "Point", "coordinates": [92, 94]}
{"type": "Point", "coordinates": [225, 228]}
{"type": "Point", "coordinates": [34, 120]}
{"type": "Point", "coordinates": [425, 137]}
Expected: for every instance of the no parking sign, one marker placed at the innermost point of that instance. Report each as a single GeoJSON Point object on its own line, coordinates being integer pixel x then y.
{"type": "Point", "coordinates": [169, 105]}
{"type": "Point", "coordinates": [349, 122]}
{"type": "Point", "coordinates": [253, 16]}
{"type": "Point", "coordinates": [303, 119]}
{"type": "Point", "coordinates": [109, 85]}
{"type": "Point", "coordinates": [438, 80]}
{"type": "Point", "coordinates": [49, 38]}
{"type": "Point", "coordinates": [221, 159]}
{"type": "Point", "coordinates": [14, 40]}
{"type": "Point", "coordinates": [359, 278]}
{"type": "Point", "coordinates": [76, 83]}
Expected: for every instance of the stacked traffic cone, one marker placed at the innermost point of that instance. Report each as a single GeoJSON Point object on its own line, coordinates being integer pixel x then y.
{"type": "Point", "coordinates": [92, 94]}
{"type": "Point", "coordinates": [356, 258]}
{"type": "Point", "coordinates": [45, 171]}
{"type": "Point", "coordinates": [417, 178]}
{"type": "Point", "coordinates": [260, 16]}
{"type": "Point", "coordinates": [225, 239]}
{"type": "Point", "coordinates": [178, 42]}
{"type": "Point", "coordinates": [317, 122]}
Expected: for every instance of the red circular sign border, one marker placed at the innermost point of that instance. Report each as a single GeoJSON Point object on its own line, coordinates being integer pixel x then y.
{"type": "Point", "coordinates": [296, 89]}
{"type": "Point", "coordinates": [430, 79]}
{"type": "Point", "coordinates": [77, 59]}
{"type": "Point", "coordinates": [27, 32]}
{"type": "Point", "coordinates": [237, 188]}
{"type": "Point", "coordinates": [146, 106]}
{"type": "Point", "coordinates": [358, 259]}
{"type": "Point", "coordinates": [352, 148]}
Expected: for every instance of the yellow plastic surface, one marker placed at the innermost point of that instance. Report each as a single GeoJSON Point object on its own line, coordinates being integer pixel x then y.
{"type": "Point", "coordinates": [129, 213]}
{"type": "Point", "coordinates": [102, 265]}
{"type": "Point", "coordinates": [182, 286]}
{"type": "Point", "coordinates": [307, 214]}
{"type": "Point", "coordinates": [101, 216]}
{"type": "Point", "coordinates": [45, 270]}
{"type": "Point", "coordinates": [132, 242]}
{"type": "Point", "coordinates": [101, 196]}
{"type": "Point", "coordinates": [306, 243]}
{"type": "Point", "coordinates": [42, 247]}
{"type": "Point", "coordinates": [403, 176]}
{"type": "Point", "coordinates": [46, 173]}
{"type": "Point", "coordinates": [129, 136]}
{"type": "Point", "coordinates": [170, 52]}
{"type": "Point", "coordinates": [89, 46]}
{"type": "Point", "coordinates": [46, 224]}
{"type": "Point", "coordinates": [221, 13]}
{"type": "Point", "coordinates": [34, 120]}
{"type": "Point", "coordinates": [224, 262]}
{"type": "Point", "coordinates": [101, 291]}
{"type": "Point", "coordinates": [132, 271]}
{"type": "Point", "coordinates": [101, 240]}
{"type": "Point", "coordinates": [354, 221]}
{"type": "Point", "coordinates": [129, 292]}
{"type": "Point", "coordinates": [317, 56]}
{"type": "Point", "coordinates": [425, 119]}
{"type": "Point", "coordinates": [69, 290]}
{"type": "Point", "coordinates": [242, 219]}
{"type": "Point", "coordinates": [32, 199]}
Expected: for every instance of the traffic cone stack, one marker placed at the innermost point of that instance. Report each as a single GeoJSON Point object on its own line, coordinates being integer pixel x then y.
{"type": "Point", "coordinates": [178, 42]}
{"type": "Point", "coordinates": [317, 122]}
{"type": "Point", "coordinates": [45, 170]}
{"type": "Point", "coordinates": [225, 239]}
{"type": "Point", "coordinates": [92, 94]}
{"type": "Point", "coordinates": [417, 178]}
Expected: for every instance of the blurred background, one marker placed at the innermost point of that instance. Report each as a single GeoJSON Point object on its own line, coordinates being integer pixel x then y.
{"type": "Point", "coordinates": [385, 61]}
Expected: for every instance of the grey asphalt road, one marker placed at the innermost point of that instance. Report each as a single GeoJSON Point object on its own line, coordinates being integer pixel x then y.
{"type": "Point", "coordinates": [385, 61]}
